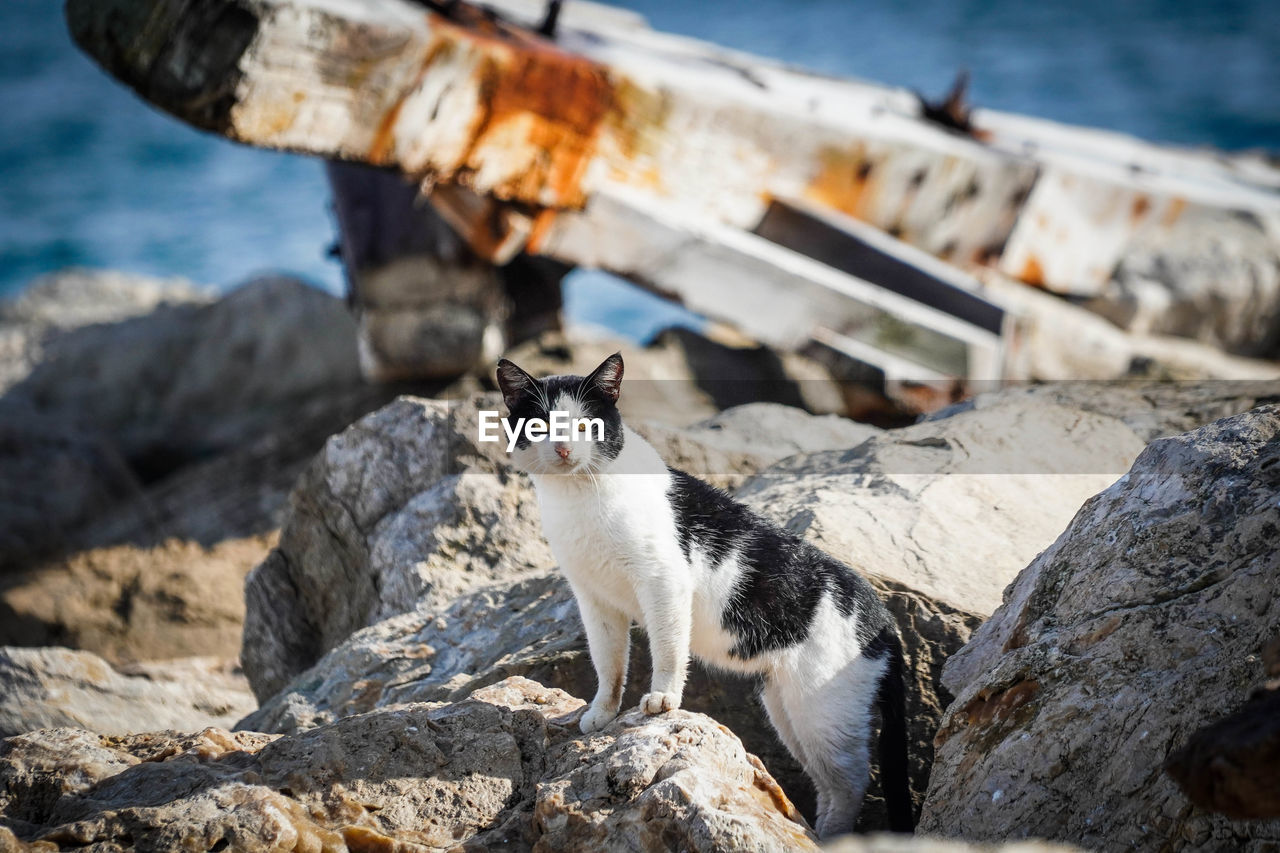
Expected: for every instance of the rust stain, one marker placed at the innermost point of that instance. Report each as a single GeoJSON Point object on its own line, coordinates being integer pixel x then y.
{"type": "Point", "coordinates": [1032, 273]}
{"type": "Point", "coordinates": [532, 93]}
{"type": "Point", "coordinates": [541, 227]}
{"type": "Point", "coordinates": [1173, 212]}
{"type": "Point", "coordinates": [362, 839]}
{"type": "Point", "coordinates": [987, 255]}
{"type": "Point", "coordinates": [538, 117]}
{"type": "Point", "coordinates": [845, 181]}
{"type": "Point", "coordinates": [1141, 205]}
{"type": "Point", "coordinates": [636, 119]}
{"type": "Point", "coordinates": [1096, 634]}
{"type": "Point", "coordinates": [990, 708]}
{"type": "Point", "coordinates": [384, 136]}
{"type": "Point", "coordinates": [381, 150]}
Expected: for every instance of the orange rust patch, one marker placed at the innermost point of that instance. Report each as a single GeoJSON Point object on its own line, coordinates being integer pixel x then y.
{"type": "Point", "coordinates": [1173, 212]}
{"type": "Point", "coordinates": [988, 709]}
{"type": "Point", "coordinates": [1141, 205]}
{"type": "Point", "coordinates": [1032, 273]}
{"type": "Point", "coordinates": [1099, 632]}
{"type": "Point", "coordinates": [539, 98]}
{"type": "Point", "coordinates": [381, 151]}
{"type": "Point", "coordinates": [384, 136]}
{"type": "Point", "coordinates": [541, 227]}
{"type": "Point", "coordinates": [636, 118]}
{"type": "Point", "coordinates": [993, 708]}
{"type": "Point", "coordinates": [362, 839]}
{"type": "Point", "coordinates": [845, 181]}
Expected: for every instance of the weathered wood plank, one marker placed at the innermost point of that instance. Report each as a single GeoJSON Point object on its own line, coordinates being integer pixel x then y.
{"type": "Point", "coordinates": [507, 114]}
{"type": "Point", "coordinates": [773, 294]}
{"type": "Point", "coordinates": [529, 145]}
{"type": "Point", "coordinates": [855, 248]}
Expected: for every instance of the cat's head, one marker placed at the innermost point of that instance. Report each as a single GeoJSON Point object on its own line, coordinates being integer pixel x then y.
{"type": "Point", "coordinates": [585, 406]}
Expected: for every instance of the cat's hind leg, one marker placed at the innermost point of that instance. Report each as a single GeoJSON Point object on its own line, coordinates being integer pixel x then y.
{"type": "Point", "coordinates": [775, 708]}
{"type": "Point", "coordinates": [832, 720]}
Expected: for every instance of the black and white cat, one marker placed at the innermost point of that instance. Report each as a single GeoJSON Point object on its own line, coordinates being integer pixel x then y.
{"type": "Point", "coordinates": [703, 574]}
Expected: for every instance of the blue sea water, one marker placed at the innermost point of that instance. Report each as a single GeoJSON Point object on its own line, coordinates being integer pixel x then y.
{"type": "Point", "coordinates": [90, 175]}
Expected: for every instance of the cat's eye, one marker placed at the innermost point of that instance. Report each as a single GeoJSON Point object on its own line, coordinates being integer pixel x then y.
{"type": "Point", "coordinates": [582, 426]}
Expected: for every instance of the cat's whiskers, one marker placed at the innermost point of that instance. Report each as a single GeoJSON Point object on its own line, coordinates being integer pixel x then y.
{"type": "Point", "coordinates": [591, 472]}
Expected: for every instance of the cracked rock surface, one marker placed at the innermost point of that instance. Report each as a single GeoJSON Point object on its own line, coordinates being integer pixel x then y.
{"type": "Point", "coordinates": [1141, 622]}
{"type": "Point", "coordinates": [50, 687]}
{"type": "Point", "coordinates": [505, 769]}
{"type": "Point", "coordinates": [403, 509]}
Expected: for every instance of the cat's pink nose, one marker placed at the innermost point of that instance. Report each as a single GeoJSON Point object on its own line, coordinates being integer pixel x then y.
{"type": "Point", "coordinates": [562, 450]}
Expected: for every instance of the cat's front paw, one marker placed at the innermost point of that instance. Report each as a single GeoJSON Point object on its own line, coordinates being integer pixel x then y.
{"type": "Point", "coordinates": [596, 719]}
{"type": "Point", "coordinates": [657, 703]}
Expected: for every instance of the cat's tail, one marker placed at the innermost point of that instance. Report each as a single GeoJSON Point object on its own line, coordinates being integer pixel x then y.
{"type": "Point", "coordinates": [894, 777]}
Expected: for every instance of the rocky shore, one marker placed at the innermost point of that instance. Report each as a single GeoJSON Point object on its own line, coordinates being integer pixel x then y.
{"type": "Point", "coordinates": [248, 602]}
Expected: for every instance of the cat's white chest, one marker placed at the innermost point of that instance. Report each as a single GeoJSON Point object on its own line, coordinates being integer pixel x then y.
{"type": "Point", "coordinates": [610, 535]}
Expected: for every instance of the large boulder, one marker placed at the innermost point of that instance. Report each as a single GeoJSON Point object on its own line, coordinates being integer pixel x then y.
{"type": "Point", "coordinates": [51, 687]}
{"type": "Point", "coordinates": [59, 302]}
{"type": "Point", "coordinates": [1140, 624]}
{"type": "Point", "coordinates": [1212, 275]}
{"type": "Point", "coordinates": [505, 769]}
{"type": "Point", "coordinates": [404, 509]}
{"type": "Point", "coordinates": [406, 513]}
{"type": "Point", "coordinates": [129, 603]}
{"type": "Point", "coordinates": [951, 508]}
{"type": "Point", "coordinates": [530, 627]}
{"type": "Point", "coordinates": [113, 383]}
{"type": "Point", "coordinates": [54, 478]}
{"type": "Point", "coordinates": [190, 377]}
{"type": "Point", "coordinates": [940, 516]}
{"type": "Point", "coordinates": [159, 570]}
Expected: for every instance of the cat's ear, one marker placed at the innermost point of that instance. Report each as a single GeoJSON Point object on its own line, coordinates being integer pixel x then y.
{"type": "Point", "coordinates": [515, 383]}
{"type": "Point", "coordinates": [607, 378]}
